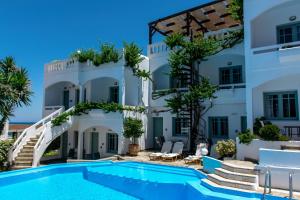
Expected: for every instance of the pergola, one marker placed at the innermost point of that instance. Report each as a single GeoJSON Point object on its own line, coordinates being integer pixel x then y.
{"type": "Point", "coordinates": [195, 21]}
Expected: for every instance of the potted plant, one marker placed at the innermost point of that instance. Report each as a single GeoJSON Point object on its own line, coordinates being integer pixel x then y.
{"type": "Point", "coordinates": [226, 149]}
{"type": "Point", "coordinates": [133, 129]}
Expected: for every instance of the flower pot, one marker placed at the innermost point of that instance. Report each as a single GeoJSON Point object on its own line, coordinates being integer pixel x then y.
{"type": "Point", "coordinates": [133, 149]}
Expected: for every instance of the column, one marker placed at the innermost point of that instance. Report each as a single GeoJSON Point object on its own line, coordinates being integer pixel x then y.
{"type": "Point", "coordinates": [81, 91]}
{"type": "Point", "coordinates": [80, 145]}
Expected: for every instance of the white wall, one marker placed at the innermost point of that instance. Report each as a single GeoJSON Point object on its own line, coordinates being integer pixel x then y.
{"type": "Point", "coordinates": [252, 150]}
{"type": "Point", "coordinates": [264, 27]}
{"type": "Point", "coordinates": [287, 83]}
{"type": "Point", "coordinates": [280, 163]}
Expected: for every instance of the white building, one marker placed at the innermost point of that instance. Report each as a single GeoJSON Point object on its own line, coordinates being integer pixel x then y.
{"type": "Point", "coordinates": [258, 77]}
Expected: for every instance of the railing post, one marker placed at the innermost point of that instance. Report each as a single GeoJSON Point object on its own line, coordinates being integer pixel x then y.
{"type": "Point", "coordinates": [290, 185]}
{"type": "Point", "coordinates": [270, 182]}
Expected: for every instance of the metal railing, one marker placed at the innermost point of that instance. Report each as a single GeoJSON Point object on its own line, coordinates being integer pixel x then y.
{"type": "Point", "coordinates": [268, 184]}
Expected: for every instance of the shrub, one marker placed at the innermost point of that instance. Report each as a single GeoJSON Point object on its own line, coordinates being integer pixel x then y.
{"type": "Point", "coordinates": [84, 55]}
{"type": "Point", "coordinates": [5, 145]}
{"type": "Point", "coordinates": [226, 148]}
{"type": "Point", "coordinates": [270, 132]}
{"type": "Point", "coordinates": [133, 128]}
{"type": "Point", "coordinates": [257, 124]}
{"type": "Point", "coordinates": [246, 137]}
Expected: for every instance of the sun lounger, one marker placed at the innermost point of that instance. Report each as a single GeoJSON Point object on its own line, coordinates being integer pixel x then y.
{"type": "Point", "coordinates": [176, 152]}
{"type": "Point", "coordinates": [166, 148]}
{"type": "Point", "coordinates": [198, 155]}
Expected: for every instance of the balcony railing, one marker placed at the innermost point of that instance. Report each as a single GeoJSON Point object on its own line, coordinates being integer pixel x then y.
{"type": "Point", "coordinates": [60, 65]}
{"type": "Point", "coordinates": [232, 86]}
{"type": "Point", "coordinates": [161, 47]}
{"type": "Point", "coordinates": [277, 47]}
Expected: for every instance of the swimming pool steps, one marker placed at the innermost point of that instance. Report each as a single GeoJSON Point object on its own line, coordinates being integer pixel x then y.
{"type": "Point", "coordinates": [234, 176]}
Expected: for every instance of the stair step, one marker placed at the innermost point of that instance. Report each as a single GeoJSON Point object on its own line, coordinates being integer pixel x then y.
{"type": "Point", "coordinates": [23, 163]}
{"type": "Point", "coordinates": [22, 154]}
{"type": "Point", "coordinates": [236, 176]}
{"type": "Point", "coordinates": [231, 183]}
{"type": "Point", "coordinates": [15, 167]}
{"type": "Point", "coordinates": [21, 158]}
{"type": "Point", "coordinates": [239, 169]}
{"type": "Point", "coordinates": [31, 143]}
{"type": "Point", "coordinates": [27, 150]}
{"type": "Point", "coordinates": [28, 146]}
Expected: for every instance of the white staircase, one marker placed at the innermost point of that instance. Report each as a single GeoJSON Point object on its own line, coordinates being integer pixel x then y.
{"type": "Point", "coordinates": [31, 144]}
{"type": "Point", "coordinates": [230, 175]}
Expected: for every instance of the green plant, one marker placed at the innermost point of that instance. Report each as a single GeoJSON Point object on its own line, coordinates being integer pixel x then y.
{"type": "Point", "coordinates": [133, 57]}
{"type": "Point", "coordinates": [226, 148]}
{"type": "Point", "coordinates": [258, 124]}
{"type": "Point", "coordinates": [51, 153]}
{"type": "Point", "coordinates": [236, 9]}
{"type": "Point", "coordinates": [246, 137]}
{"type": "Point", "coordinates": [84, 55]}
{"type": "Point", "coordinates": [5, 145]}
{"type": "Point", "coordinates": [133, 128]}
{"type": "Point", "coordinates": [83, 108]}
{"type": "Point", "coordinates": [109, 53]}
{"type": "Point", "coordinates": [15, 90]}
{"type": "Point", "coordinates": [270, 132]}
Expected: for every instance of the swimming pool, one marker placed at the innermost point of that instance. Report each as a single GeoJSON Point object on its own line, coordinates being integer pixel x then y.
{"type": "Point", "coordinates": [112, 181]}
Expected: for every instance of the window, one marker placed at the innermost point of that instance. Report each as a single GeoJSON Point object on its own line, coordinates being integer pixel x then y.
{"type": "Point", "coordinates": [181, 82]}
{"type": "Point", "coordinates": [281, 105]}
{"type": "Point", "coordinates": [75, 139]}
{"type": "Point", "coordinates": [218, 127]}
{"type": "Point", "coordinates": [84, 95]}
{"type": "Point", "coordinates": [114, 94]}
{"type": "Point", "coordinates": [112, 143]}
{"type": "Point", "coordinates": [288, 33]}
{"type": "Point", "coordinates": [231, 75]}
{"type": "Point", "coordinates": [180, 126]}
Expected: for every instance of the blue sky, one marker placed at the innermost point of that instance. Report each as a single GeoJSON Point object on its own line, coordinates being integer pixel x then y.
{"type": "Point", "coordinates": [35, 32]}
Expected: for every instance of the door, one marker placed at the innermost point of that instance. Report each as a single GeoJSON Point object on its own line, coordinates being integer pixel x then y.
{"type": "Point", "coordinates": [66, 99]}
{"type": "Point", "coordinates": [157, 130]}
{"type": "Point", "coordinates": [95, 145]}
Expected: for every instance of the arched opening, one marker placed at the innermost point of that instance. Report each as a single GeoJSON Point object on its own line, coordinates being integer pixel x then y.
{"type": "Point", "coordinates": [276, 25]}
{"type": "Point", "coordinates": [104, 89]}
{"type": "Point", "coordinates": [60, 94]}
{"type": "Point", "coordinates": [97, 142]}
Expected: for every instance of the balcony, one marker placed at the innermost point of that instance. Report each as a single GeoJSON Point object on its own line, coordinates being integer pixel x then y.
{"type": "Point", "coordinates": [160, 49]}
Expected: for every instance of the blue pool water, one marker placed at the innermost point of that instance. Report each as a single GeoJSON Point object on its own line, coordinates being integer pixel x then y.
{"type": "Point", "coordinates": [112, 181]}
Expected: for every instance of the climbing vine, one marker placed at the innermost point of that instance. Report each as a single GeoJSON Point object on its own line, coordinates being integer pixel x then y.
{"type": "Point", "coordinates": [83, 108]}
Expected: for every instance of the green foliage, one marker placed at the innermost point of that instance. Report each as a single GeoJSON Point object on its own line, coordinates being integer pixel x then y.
{"type": "Point", "coordinates": [83, 108]}
{"type": "Point", "coordinates": [15, 89]}
{"type": "Point", "coordinates": [5, 145]}
{"type": "Point", "coordinates": [133, 57]}
{"type": "Point", "coordinates": [108, 53]}
{"type": "Point", "coordinates": [270, 132]}
{"type": "Point", "coordinates": [226, 148]}
{"type": "Point", "coordinates": [133, 128]}
{"type": "Point", "coordinates": [246, 137]}
{"type": "Point", "coordinates": [175, 40]}
{"type": "Point", "coordinates": [51, 153]}
{"type": "Point", "coordinates": [84, 55]}
{"type": "Point", "coordinates": [258, 124]}
{"type": "Point", "coordinates": [236, 9]}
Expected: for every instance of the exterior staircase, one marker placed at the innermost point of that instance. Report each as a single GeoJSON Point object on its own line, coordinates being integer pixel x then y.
{"type": "Point", "coordinates": [24, 159]}
{"type": "Point", "coordinates": [234, 176]}
{"type": "Point", "coordinates": [31, 144]}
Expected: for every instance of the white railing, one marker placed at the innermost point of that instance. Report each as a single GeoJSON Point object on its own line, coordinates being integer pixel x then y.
{"type": "Point", "coordinates": [60, 65]}
{"type": "Point", "coordinates": [158, 48]}
{"type": "Point", "coordinates": [232, 86]}
{"type": "Point", "coordinates": [276, 47]}
{"type": "Point", "coordinates": [221, 34]}
{"type": "Point", "coordinates": [48, 135]}
{"type": "Point", "coordinates": [30, 132]}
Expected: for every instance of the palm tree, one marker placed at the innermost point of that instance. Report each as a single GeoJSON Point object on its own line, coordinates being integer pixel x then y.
{"type": "Point", "coordinates": [14, 89]}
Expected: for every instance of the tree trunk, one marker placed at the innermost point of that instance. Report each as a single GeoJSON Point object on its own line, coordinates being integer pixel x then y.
{"type": "Point", "coordinates": [2, 124]}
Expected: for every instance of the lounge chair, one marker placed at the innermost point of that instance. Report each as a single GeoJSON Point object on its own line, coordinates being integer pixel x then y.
{"type": "Point", "coordinates": [198, 155]}
{"type": "Point", "coordinates": [176, 152]}
{"type": "Point", "coordinates": [166, 148]}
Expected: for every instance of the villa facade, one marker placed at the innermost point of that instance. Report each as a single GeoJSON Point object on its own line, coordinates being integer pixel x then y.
{"type": "Point", "coordinates": [256, 78]}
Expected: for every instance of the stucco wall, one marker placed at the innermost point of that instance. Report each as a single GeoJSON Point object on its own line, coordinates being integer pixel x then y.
{"type": "Point", "coordinates": [252, 150]}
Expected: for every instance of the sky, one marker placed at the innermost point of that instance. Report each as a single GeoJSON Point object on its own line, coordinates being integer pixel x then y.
{"type": "Point", "coordinates": [36, 32]}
